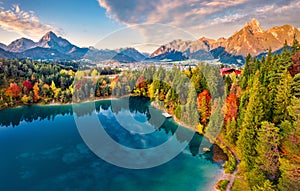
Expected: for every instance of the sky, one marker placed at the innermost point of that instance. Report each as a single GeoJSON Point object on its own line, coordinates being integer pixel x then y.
{"type": "Point", "coordinates": [140, 23]}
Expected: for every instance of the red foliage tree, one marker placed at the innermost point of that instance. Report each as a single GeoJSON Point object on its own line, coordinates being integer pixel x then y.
{"type": "Point", "coordinates": [13, 91]}
{"type": "Point", "coordinates": [27, 86]}
{"type": "Point", "coordinates": [295, 68]}
{"type": "Point", "coordinates": [296, 58]}
{"type": "Point", "coordinates": [231, 108]}
{"type": "Point", "coordinates": [116, 79]}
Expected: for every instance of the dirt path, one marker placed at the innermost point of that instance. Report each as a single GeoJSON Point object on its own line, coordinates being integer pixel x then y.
{"type": "Point", "coordinates": [230, 177]}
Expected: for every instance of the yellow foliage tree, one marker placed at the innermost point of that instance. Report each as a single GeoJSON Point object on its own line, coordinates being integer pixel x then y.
{"type": "Point", "coordinates": [36, 90]}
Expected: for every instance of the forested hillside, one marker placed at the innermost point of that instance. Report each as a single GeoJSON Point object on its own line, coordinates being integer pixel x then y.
{"type": "Point", "coordinates": [262, 121]}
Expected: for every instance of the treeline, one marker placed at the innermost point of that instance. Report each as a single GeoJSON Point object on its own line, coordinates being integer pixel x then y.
{"type": "Point", "coordinates": [190, 95]}
{"type": "Point", "coordinates": [262, 121]}
{"type": "Point", "coordinates": [24, 82]}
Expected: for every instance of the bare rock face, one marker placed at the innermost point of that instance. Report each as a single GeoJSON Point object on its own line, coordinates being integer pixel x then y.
{"type": "Point", "coordinates": [252, 39]}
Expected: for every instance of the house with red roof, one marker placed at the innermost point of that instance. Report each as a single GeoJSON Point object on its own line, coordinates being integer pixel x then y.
{"type": "Point", "coordinates": [228, 71]}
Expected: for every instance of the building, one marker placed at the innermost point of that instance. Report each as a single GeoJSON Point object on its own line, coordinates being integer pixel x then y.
{"type": "Point", "coordinates": [228, 71]}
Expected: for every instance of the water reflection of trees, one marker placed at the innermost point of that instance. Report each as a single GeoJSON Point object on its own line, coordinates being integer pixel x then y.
{"type": "Point", "coordinates": [13, 117]}
{"type": "Point", "coordinates": [195, 145]}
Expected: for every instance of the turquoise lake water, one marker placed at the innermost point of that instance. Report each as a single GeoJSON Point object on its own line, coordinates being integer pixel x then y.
{"type": "Point", "coordinates": [41, 149]}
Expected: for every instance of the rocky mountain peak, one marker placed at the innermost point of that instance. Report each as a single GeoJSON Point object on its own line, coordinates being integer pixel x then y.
{"type": "Point", "coordinates": [254, 26]}
{"type": "Point", "coordinates": [49, 35]}
{"type": "Point", "coordinates": [207, 40]}
{"type": "Point", "coordinates": [51, 40]}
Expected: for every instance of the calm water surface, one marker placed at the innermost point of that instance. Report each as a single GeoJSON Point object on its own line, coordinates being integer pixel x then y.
{"type": "Point", "coordinates": [41, 149]}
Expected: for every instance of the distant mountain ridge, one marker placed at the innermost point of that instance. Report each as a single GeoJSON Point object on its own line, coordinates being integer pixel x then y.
{"type": "Point", "coordinates": [52, 47]}
{"type": "Point", "coordinates": [20, 45]}
{"type": "Point", "coordinates": [165, 53]}
{"type": "Point", "coordinates": [49, 47]}
{"type": "Point", "coordinates": [3, 46]}
{"type": "Point", "coordinates": [251, 39]}
{"type": "Point", "coordinates": [49, 40]}
{"type": "Point", "coordinates": [5, 54]}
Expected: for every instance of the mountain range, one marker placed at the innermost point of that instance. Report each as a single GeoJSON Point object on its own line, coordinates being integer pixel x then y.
{"type": "Point", "coordinates": [251, 39]}
{"type": "Point", "coordinates": [52, 47]}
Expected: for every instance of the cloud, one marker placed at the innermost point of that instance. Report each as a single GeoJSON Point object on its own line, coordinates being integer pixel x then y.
{"type": "Point", "coordinates": [279, 8]}
{"type": "Point", "coordinates": [22, 22]}
{"type": "Point", "coordinates": [227, 19]}
{"type": "Point", "coordinates": [163, 11]}
{"type": "Point", "coordinates": [162, 21]}
{"type": "Point", "coordinates": [279, 13]}
{"type": "Point", "coordinates": [265, 9]}
{"type": "Point", "coordinates": [294, 5]}
{"type": "Point", "coordinates": [207, 17]}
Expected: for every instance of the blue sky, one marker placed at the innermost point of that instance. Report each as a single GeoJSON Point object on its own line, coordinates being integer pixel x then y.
{"type": "Point", "coordinates": [82, 21]}
{"type": "Point", "coordinates": [85, 22]}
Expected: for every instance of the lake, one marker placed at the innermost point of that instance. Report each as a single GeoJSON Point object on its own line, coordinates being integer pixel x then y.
{"type": "Point", "coordinates": [41, 148]}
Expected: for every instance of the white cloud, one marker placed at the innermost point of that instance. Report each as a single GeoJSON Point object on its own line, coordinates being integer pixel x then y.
{"type": "Point", "coordinates": [277, 14]}
{"type": "Point", "coordinates": [269, 9]}
{"type": "Point", "coordinates": [265, 9]}
{"type": "Point", "coordinates": [227, 19]}
{"type": "Point", "coordinates": [292, 5]}
{"type": "Point", "coordinates": [22, 22]}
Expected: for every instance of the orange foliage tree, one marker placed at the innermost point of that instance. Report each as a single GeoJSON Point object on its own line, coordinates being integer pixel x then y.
{"type": "Point", "coordinates": [204, 106]}
{"type": "Point", "coordinates": [36, 90]}
{"type": "Point", "coordinates": [231, 108]}
{"type": "Point", "coordinates": [13, 91]}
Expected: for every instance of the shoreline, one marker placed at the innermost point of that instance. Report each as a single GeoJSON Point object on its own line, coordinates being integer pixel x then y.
{"type": "Point", "coordinates": [61, 104]}
{"type": "Point", "coordinates": [223, 175]}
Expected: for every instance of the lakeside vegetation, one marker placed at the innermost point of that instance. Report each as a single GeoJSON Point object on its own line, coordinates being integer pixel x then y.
{"type": "Point", "coordinates": [255, 114]}
{"type": "Point", "coordinates": [26, 82]}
